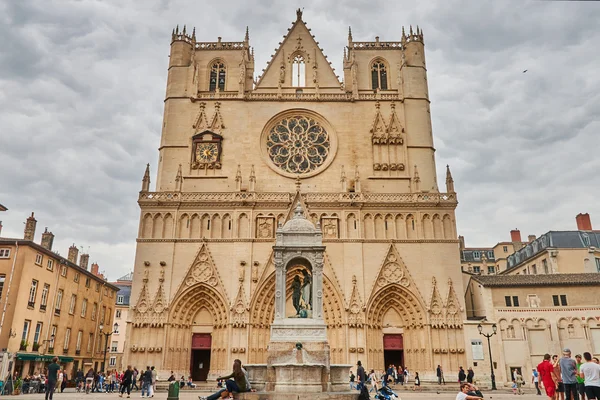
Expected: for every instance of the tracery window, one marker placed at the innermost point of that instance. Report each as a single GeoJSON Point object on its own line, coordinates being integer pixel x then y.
{"type": "Point", "coordinates": [298, 144]}
{"type": "Point", "coordinates": [379, 75]}
{"type": "Point", "coordinates": [217, 76]}
{"type": "Point", "coordinates": [298, 71]}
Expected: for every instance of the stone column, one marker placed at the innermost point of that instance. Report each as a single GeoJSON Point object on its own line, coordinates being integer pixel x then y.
{"type": "Point", "coordinates": [279, 286]}
{"type": "Point", "coordinates": [317, 294]}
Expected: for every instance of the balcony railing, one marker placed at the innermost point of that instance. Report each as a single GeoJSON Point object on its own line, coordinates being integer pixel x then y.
{"type": "Point", "coordinates": [31, 304]}
{"type": "Point", "coordinates": [65, 351]}
{"type": "Point", "coordinates": [57, 311]}
{"type": "Point", "coordinates": [42, 307]}
{"type": "Point", "coordinates": [77, 352]}
{"type": "Point", "coordinates": [50, 350]}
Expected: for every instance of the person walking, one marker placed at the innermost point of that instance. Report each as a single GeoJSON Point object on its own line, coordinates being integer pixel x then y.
{"type": "Point", "coordinates": [568, 369]}
{"type": "Point", "coordinates": [373, 378]}
{"type": "Point", "coordinates": [547, 377]}
{"type": "Point", "coordinates": [146, 382]}
{"type": "Point", "coordinates": [519, 382]}
{"type": "Point", "coordinates": [360, 375]}
{"type": "Point", "coordinates": [440, 374]}
{"type": "Point", "coordinates": [134, 379]}
{"type": "Point", "coordinates": [590, 372]}
{"type": "Point", "coordinates": [126, 382]}
{"type": "Point", "coordinates": [535, 378]}
{"type": "Point", "coordinates": [470, 375]}
{"type": "Point", "coordinates": [59, 382]}
{"type": "Point", "coordinates": [417, 384]}
{"type": "Point", "coordinates": [580, 381]}
{"type": "Point", "coordinates": [560, 389]}
{"type": "Point", "coordinates": [461, 375]}
{"type": "Point", "coordinates": [154, 375]}
{"type": "Point", "coordinates": [53, 370]}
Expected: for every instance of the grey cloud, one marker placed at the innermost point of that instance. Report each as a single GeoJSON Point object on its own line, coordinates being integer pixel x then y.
{"type": "Point", "coordinates": [82, 86]}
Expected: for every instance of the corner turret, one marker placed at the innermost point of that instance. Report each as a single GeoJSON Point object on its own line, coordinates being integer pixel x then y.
{"type": "Point", "coordinates": [146, 179]}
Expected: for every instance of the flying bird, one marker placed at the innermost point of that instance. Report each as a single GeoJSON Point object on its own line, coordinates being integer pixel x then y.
{"type": "Point", "coordinates": [524, 71]}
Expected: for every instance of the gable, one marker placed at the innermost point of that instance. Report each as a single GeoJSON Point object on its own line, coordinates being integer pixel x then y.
{"type": "Point", "coordinates": [299, 41]}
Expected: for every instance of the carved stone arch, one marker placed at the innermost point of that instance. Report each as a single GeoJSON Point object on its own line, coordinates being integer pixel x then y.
{"type": "Point", "coordinates": [195, 226]}
{"type": "Point", "coordinates": [314, 218]}
{"type": "Point", "coordinates": [215, 227]}
{"type": "Point", "coordinates": [205, 225]}
{"type": "Point", "coordinates": [157, 226]}
{"type": "Point", "coordinates": [400, 227]}
{"type": "Point", "coordinates": [438, 228]}
{"type": "Point", "coordinates": [379, 226]}
{"type": "Point", "coordinates": [390, 227]}
{"type": "Point", "coordinates": [351, 226]}
{"type": "Point", "coordinates": [243, 228]}
{"type": "Point", "coordinates": [184, 226]}
{"type": "Point", "coordinates": [448, 227]}
{"type": "Point", "coordinates": [168, 226]}
{"type": "Point", "coordinates": [373, 67]}
{"type": "Point", "coordinates": [147, 222]}
{"type": "Point", "coordinates": [368, 227]}
{"type": "Point", "coordinates": [226, 226]}
{"type": "Point", "coordinates": [209, 70]}
{"type": "Point", "coordinates": [281, 218]}
{"type": "Point", "coordinates": [427, 226]}
{"type": "Point", "coordinates": [411, 227]}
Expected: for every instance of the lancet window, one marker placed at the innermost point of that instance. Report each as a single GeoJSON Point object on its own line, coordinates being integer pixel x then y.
{"type": "Point", "coordinates": [298, 71]}
{"type": "Point", "coordinates": [379, 75]}
{"type": "Point", "coordinates": [217, 76]}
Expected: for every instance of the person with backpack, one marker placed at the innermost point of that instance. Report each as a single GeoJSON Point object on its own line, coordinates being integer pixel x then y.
{"type": "Point", "coordinates": [362, 377]}
{"type": "Point", "coordinates": [461, 375]}
{"type": "Point", "coordinates": [535, 379]}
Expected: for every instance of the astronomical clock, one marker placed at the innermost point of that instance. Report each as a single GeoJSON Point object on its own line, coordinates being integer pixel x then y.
{"type": "Point", "coordinates": [207, 148]}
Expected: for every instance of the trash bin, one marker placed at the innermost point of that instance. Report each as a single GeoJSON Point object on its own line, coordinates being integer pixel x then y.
{"type": "Point", "coordinates": [173, 391]}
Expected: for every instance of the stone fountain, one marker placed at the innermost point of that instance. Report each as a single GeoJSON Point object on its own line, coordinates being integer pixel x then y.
{"type": "Point", "coordinates": [298, 352]}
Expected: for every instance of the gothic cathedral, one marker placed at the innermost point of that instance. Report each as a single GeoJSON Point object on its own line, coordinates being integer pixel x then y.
{"type": "Point", "coordinates": [237, 155]}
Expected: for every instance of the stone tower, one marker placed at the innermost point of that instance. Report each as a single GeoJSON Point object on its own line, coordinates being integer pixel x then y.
{"type": "Point", "coordinates": [238, 154]}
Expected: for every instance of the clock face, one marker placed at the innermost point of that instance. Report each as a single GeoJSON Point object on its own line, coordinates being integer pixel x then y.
{"type": "Point", "coordinates": [207, 152]}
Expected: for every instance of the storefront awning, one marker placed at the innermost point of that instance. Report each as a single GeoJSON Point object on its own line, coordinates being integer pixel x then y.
{"type": "Point", "coordinates": [42, 357]}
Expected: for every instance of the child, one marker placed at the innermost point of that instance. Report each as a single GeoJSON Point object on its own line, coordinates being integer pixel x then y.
{"type": "Point", "coordinates": [514, 388]}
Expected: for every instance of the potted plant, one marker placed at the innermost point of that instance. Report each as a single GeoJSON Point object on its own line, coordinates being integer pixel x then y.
{"type": "Point", "coordinates": [24, 345]}
{"type": "Point", "coordinates": [35, 346]}
{"type": "Point", "coordinates": [17, 385]}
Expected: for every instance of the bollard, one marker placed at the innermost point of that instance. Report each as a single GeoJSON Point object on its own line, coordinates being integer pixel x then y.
{"type": "Point", "coordinates": [173, 391]}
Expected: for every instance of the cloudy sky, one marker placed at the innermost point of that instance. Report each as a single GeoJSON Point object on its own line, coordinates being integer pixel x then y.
{"type": "Point", "coordinates": [82, 85]}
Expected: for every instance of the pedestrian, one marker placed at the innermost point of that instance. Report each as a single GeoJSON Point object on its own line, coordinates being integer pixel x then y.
{"type": "Point", "coordinates": [461, 375]}
{"type": "Point", "coordinates": [352, 377]}
{"type": "Point", "coordinates": [438, 373]}
{"type": "Point", "coordinates": [559, 383]}
{"type": "Point", "coordinates": [63, 384]}
{"type": "Point", "coordinates": [60, 379]}
{"type": "Point", "coordinates": [239, 383]}
{"type": "Point", "coordinates": [134, 379]}
{"type": "Point", "coordinates": [406, 375]}
{"type": "Point", "coordinates": [154, 375]}
{"type": "Point", "coordinates": [126, 382]}
{"type": "Point", "coordinates": [590, 372]}
{"type": "Point", "coordinates": [519, 381]}
{"type": "Point", "coordinates": [360, 375]}
{"type": "Point", "coordinates": [580, 381]}
{"type": "Point", "coordinates": [535, 378]}
{"type": "Point", "coordinates": [53, 370]}
{"type": "Point", "coordinates": [373, 378]}
{"type": "Point", "coordinates": [568, 369]}
{"type": "Point", "coordinates": [547, 377]}
{"type": "Point", "coordinates": [417, 384]}
{"type": "Point", "coordinates": [462, 394]}
{"type": "Point", "coordinates": [146, 382]}
{"type": "Point", "coordinates": [470, 375]}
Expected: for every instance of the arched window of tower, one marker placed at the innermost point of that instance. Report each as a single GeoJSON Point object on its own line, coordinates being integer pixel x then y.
{"type": "Point", "coordinates": [379, 75]}
{"type": "Point", "coordinates": [217, 76]}
{"type": "Point", "coordinates": [298, 71]}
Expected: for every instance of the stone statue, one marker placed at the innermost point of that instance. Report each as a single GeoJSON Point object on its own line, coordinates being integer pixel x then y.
{"type": "Point", "coordinates": [296, 293]}
{"type": "Point", "coordinates": [307, 290]}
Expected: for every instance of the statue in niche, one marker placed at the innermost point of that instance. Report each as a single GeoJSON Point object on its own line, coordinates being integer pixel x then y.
{"type": "Point", "coordinates": [307, 290]}
{"type": "Point", "coordinates": [296, 293]}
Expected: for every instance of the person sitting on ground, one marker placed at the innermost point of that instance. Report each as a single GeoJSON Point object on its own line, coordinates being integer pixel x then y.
{"type": "Point", "coordinates": [182, 382]}
{"type": "Point", "coordinates": [190, 383]}
{"type": "Point", "coordinates": [464, 393]}
{"type": "Point", "coordinates": [172, 377]}
{"type": "Point", "coordinates": [239, 383]}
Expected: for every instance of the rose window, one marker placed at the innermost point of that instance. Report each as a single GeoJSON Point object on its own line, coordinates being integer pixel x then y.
{"type": "Point", "coordinates": [298, 144]}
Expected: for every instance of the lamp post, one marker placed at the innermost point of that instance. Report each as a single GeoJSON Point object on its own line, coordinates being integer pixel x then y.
{"type": "Point", "coordinates": [488, 336]}
{"type": "Point", "coordinates": [46, 341]}
{"type": "Point", "coordinates": [106, 336]}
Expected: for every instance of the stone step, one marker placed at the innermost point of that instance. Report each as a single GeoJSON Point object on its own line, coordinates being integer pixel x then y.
{"type": "Point", "coordinates": [297, 396]}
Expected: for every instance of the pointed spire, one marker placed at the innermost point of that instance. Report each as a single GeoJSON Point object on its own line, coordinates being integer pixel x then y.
{"type": "Point", "coordinates": [343, 180]}
{"type": "Point", "coordinates": [178, 179]}
{"type": "Point", "coordinates": [238, 178]}
{"type": "Point", "coordinates": [356, 180]}
{"type": "Point", "coordinates": [350, 36]}
{"type": "Point", "coordinates": [247, 37]}
{"type": "Point", "coordinates": [194, 34]}
{"type": "Point", "coordinates": [252, 178]}
{"type": "Point", "coordinates": [184, 30]}
{"type": "Point", "coordinates": [146, 179]}
{"type": "Point", "coordinates": [416, 180]}
{"type": "Point", "coordinates": [449, 180]}
{"type": "Point", "coordinates": [411, 30]}
{"type": "Point", "coordinates": [298, 15]}
{"type": "Point", "coordinates": [177, 30]}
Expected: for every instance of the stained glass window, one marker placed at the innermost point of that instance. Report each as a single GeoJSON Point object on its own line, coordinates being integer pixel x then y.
{"type": "Point", "coordinates": [298, 144]}
{"type": "Point", "coordinates": [379, 75]}
{"type": "Point", "coordinates": [217, 77]}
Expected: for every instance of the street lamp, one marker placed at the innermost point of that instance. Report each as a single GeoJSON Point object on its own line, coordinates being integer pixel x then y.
{"type": "Point", "coordinates": [488, 336]}
{"type": "Point", "coordinates": [106, 336]}
{"type": "Point", "coordinates": [46, 341]}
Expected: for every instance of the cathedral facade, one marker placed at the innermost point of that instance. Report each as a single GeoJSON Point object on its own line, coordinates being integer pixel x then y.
{"type": "Point", "coordinates": [238, 154]}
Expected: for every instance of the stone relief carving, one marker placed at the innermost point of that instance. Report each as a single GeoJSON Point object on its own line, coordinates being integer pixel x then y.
{"type": "Point", "coordinates": [265, 227]}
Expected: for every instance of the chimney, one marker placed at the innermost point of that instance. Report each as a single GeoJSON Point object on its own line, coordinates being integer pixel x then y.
{"type": "Point", "coordinates": [531, 238]}
{"type": "Point", "coordinates": [47, 239]}
{"type": "Point", "coordinates": [84, 260]}
{"type": "Point", "coordinates": [583, 222]}
{"type": "Point", "coordinates": [30, 228]}
{"type": "Point", "coordinates": [515, 235]}
{"type": "Point", "coordinates": [461, 240]}
{"type": "Point", "coordinates": [73, 253]}
{"type": "Point", "coordinates": [95, 268]}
